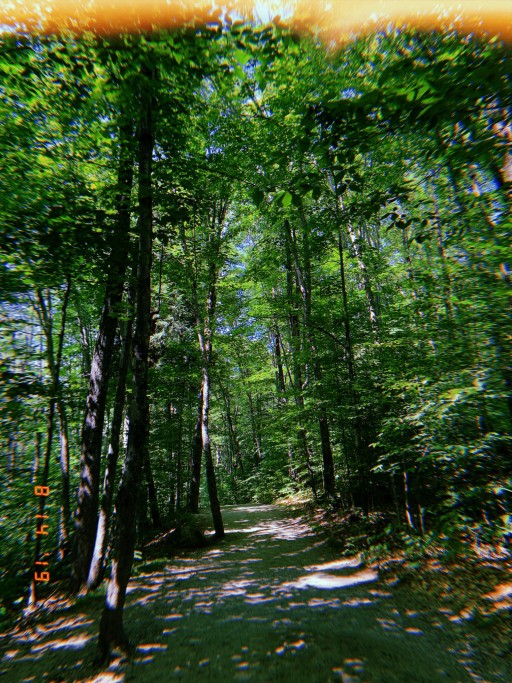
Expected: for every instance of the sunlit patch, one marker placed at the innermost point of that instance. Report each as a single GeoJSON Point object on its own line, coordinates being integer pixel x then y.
{"type": "Point", "coordinates": [381, 594]}
{"type": "Point", "coordinates": [345, 676]}
{"type": "Point", "coordinates": [10, 654]}
{"type": "Point", "coordinates": [446, 611]}
{"type": "Point", "coordinates": [106, 677]}
{"type": "Point", "coordinates": [388, 624]}
{"type": "Point", "coordinates": [151, 647]}
{"type": "Point", "coordinates": [73, 643]}
{"type": "Point", "coordinates": [414, 631]}
{"type": "Point", "coordinates": [233, 588]}
{"type": "Point", "coordinates": [350, 667]}
{"type": "Point", "coordinates": [357, 602]}
{"type": "Point", "coordinates": [277, 623]}
{"type": "Point", "coordinates": [321, 602]}
{"type": "Point", "coordinates": [330, 581]}
{"type": "Point", "coordinates": [173, 617]}
{"type": "Point", "coordinates": [169, 631]}
{"type": "Point", "coordinates": [347, 563]}
{"type": "Point", "coordinates": [61, 624]}
{"type": "Point", "coordinates": [500, 593]}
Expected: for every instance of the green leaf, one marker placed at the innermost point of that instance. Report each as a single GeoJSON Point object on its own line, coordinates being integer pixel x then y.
{"type": "Point", "coordinates": [242, 57]}
{"type": "Point", "coordinates": [287, 199]}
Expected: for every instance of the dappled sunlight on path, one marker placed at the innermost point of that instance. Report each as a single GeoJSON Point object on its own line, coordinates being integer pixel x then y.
{"type": "Point", "coordinates": [270, 603]}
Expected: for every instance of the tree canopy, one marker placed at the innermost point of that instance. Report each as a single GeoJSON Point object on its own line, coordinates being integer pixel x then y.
{"type": "Point", "coordinates": [238, 265]}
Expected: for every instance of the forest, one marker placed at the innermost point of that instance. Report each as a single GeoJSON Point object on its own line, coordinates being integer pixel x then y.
{"type": "Point", "coordinates": [242, 265]}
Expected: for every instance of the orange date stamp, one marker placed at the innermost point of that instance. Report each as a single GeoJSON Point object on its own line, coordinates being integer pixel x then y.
{"type": "Point", "coordinates": [41, 530]}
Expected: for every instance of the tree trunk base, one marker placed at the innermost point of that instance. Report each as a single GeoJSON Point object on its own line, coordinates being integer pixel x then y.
{"type": "Point", "coordinates": [112, 636]}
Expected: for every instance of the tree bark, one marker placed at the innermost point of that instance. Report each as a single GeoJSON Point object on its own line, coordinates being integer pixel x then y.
{"type": "Point", "coordinates": [297, 383]}
{"type": "Point", "coordinates": [304, 279]}
{"type": "Point", "coordinates": [205, 336]}
{"type": "Point", "coordinates": [208, 461]}
{"type": "Point", "coordinates": [195, 461]}
{"type": "Point", "coordinates": [238, 463]}
{"type": "Point", "coordinates": [256, 432]}
{"type": "Point", "coordinates": [357, 493]}
{"type": "Point", "coordinates": [92, 430]}
{"type": "Point", "coordinates": [111, 625]}
{"type": "Point", "coordinates": [97, 569]}
{"type": "Point", "coordinates": [151, 491]}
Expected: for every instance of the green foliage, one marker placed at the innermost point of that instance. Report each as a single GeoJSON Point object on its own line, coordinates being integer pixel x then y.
{"type": "Point", "coordinates": [361, 268]}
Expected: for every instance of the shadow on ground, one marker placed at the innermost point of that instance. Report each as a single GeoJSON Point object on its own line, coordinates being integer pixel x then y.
{"type": "Point", "coordinates": [271, 603]}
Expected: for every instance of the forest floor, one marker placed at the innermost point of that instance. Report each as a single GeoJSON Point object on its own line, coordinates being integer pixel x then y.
{"type": "Point", "coordinates": [273, 603]}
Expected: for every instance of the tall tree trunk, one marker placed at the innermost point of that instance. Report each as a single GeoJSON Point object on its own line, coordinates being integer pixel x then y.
{"type": "Point", "coordinates": [205, 345]}
{"type": "Point", "coordinates": [205, 338]}
{"type": "Point", "coordinates": [179, 475]}
{"type": "Point", "coordinates": [111, 625]}
{"type": "Point", "coordinates": [357, 493]}
{"type": "Point", "coordinates": [208, 460]}
{"type": "Point", "coordinates": [65, 511]}
{"type": "Point", "coordinates": [92, 430]}
{"type": "Point", "coordinates": [97, 569]}
{"type": "Point", "coordinates": [175, 456]}
{"type": "Point", "coordinates": [280, 383]}
{"type": "Point", "coordinates": [151, 491]}
{"type": "Point", "coordinates": [195, 460]}
{"type": "Point", "coordinates": [256, 432]}
{"type": "Point", "coordinates": [297, 383]}
{"type": "Point", "coordinates": [304, 279]}
{"type": "Point", "coordinates": [231, 428]}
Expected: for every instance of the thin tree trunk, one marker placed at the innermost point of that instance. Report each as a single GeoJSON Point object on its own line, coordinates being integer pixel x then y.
{"type": "Point", "coordinates": [63, 434]}
{"type": "Point", "coordinates": [179, 476]}
{"type": "Point", "coordinates": [111, 625]}
{"type": "Point", "coordinates": [358, 495]}
{"type": "Point", "coordinates": [151, 490]}
{"type": "Point", "coordinates": [176, 456]}
{"type": "Point", "coordinates": [92, 430]}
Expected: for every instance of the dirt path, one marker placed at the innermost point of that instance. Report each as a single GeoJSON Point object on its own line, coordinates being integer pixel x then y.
{"type": "Point", "coordinates": [272, 603]}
